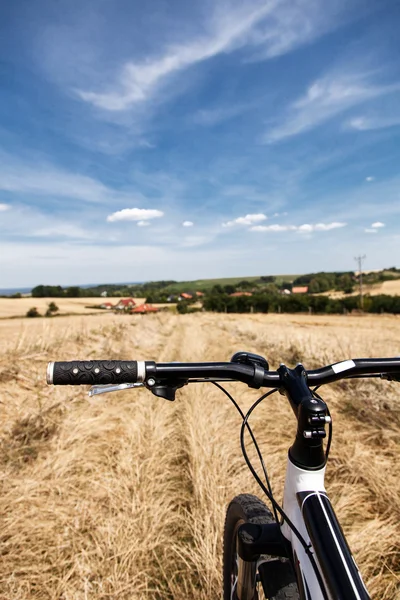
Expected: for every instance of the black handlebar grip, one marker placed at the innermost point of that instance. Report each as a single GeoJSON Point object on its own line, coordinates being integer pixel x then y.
{"type": "Point", "coordinates": [90, 372]}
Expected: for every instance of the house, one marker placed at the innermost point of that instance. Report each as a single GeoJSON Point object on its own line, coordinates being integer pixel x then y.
{"type": "Point", "coordinates": [125, 304]}
{"type": "Point", "coordinates": [237, 294]}
{"type": "Point", "coordinates": [199, 294]}
{"type": "Point", "coordinates": [285, 292]}
{"type": "Point", "coordinates": [144, 309]}
{"type": "Point", "coordinates": [300, 289]}
{"type": "Point", "coordinates": [186, 296]}
{"type": "Point", "coordinates": [106, 305]}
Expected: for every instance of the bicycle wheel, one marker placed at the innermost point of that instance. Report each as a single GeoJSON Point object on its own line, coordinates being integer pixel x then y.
{"type": "Point", "coordinates": [280, 583]}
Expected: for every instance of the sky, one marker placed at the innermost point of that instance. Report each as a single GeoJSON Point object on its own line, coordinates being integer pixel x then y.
{"type": "Point", "coordinates": [183, 140]}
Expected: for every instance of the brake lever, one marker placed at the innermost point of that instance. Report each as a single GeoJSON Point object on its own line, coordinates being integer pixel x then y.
{"type": "Point", "coordinates": [391, 376]}
{"type": "Point", "coordinates": [95, 390]}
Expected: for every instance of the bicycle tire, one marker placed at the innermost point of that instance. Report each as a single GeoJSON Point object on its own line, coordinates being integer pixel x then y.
{"type": "Point", "coordinates": [281, 584]}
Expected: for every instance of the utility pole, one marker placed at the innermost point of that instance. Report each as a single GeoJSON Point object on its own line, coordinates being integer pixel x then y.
{"type": "Point", "coordinates": [359, 260]}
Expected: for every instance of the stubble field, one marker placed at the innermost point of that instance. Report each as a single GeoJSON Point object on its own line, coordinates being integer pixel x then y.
{"type": "Point", "coordinates": [18, 307]}
{"type": "Point", "coordinates": [122, 496]}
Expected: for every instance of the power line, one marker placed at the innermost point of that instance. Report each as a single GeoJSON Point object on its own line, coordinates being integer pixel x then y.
{"type": "Point", "coordinates": [359, 260]}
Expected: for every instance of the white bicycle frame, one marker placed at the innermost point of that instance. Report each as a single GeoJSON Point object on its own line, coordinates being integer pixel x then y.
{"type": "Point", "coordinates": [340, 578]}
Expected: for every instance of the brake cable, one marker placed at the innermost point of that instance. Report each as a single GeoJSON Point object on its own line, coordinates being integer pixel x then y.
{"type": "Point", "coordinates": [306, 547]}
{"type": "Point", "coordinates": [249, 429]}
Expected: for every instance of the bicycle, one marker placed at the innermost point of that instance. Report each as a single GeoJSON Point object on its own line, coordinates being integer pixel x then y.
{"type": "Point", "coordinates": [300, 550]}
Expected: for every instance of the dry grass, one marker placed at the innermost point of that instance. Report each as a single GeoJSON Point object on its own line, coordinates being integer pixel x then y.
{"type": "Point", "coordinates": [391, 288]}
{"type": "Point", "coordinates": [18, 307]}
{"type": "Point", "coordinates": [123, 496]}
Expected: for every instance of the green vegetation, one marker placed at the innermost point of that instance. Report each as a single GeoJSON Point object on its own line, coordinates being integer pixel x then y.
{"type": "Point", "coordinates": [52, 309]}
{"type": "Point", "coordinates": [265, 290]}
{"type": "Point", "coordinates": [324, 282]}
{"type": "Point", "coordinates": [33, 312]}
{"type": "Point", "coordinates": [264, 303]}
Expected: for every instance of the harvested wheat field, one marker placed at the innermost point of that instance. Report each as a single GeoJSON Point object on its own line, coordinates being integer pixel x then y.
{"type": "Point", "coordinates": [122, 496]}
{"type": "Point", "coordinates": [18, 307]}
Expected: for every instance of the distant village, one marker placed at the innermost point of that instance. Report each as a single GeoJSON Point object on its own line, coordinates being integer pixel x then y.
{"type": "Point", "coordinates": [132, 306]}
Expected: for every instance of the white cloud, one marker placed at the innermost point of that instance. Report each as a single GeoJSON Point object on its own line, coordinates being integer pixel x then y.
{"type": "Point", "coordinates": [328, 226]}
{"type": "Point", "coordinates": [137, 81]}
{"type": "Point", "coordinates": [134, 214]}
{"type": "Point", "coordinates": [187, 224]}
{"type": "Point", "coordinates": [143, 223]}
{"type": "Point", "coordinates": [370, 230]}
{"type": "Point", "coordinates": [4, 207]}
{"type": "Point", "coordinates": [276, 26]}
{"type": "Point", "coordinates": [305, 228]}
{"type": "Point", "coordinates": [370, 178]}
{"type": "Point", "coordinates": [324, 99]}
{"type": "Point", "coordinates": [247, 220]}
{"type": "Point", "coordinates": [273, 228]}
{"type": "Point", "coordinates": [375, 122]}
{"type": "Point", "coordinates": [377, 225]}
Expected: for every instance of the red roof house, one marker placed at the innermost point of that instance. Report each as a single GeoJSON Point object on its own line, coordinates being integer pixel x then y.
{"type": "Point", "coordinates": [144, 309]}
{"type": "Point", "coordinates": [237, 294]}
{"type": "Point", "coordinates": [300, 289]}
{"type": "Point", "coordinates": [186, 296]}
{"type": "Point", "coordinates": [106, 305]}
{"type": "Point", "coordinates": [125, 304]}
{"type": "Point", "coordinates": [199, 294]}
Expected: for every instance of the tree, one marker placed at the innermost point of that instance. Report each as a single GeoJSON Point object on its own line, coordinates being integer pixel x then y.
{"type": "Point", "coordinates": [182, 307]}
{"type": "Point", "coordinates": [73, 291]}
{"type": "Point", "coordinates": [229, 289]}
{"type": "Point", "coordinates": [51, 309]}
{"type": "Point", "coordinates": [345, 283]}
{"type": "Point", "coordinates": [33, 312]}
{"type": "Point", "coordinates": [47, 291]}
{"type": "Point", "coordinates": [313, 288]}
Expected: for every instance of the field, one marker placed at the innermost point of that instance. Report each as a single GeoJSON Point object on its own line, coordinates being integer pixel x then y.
{"type": "Point", "coordinates": [18, 307]}
{"type": "Point", "coordinates": [122, 496]}
{"type": "Point", "coordinates": [207, 284]}
{"type": "Point", "coordinates": [391, 288]}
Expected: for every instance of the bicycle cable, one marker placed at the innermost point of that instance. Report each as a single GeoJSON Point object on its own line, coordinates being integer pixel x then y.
{"type": "Point", "coordinates": [249, 429]}
{"type": "Point", "coordinates": [274, 503]}
{"type": "Point", "coordinates": [267, 492]}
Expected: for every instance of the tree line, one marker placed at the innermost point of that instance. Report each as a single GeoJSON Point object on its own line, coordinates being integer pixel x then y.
{"type": "Point", "coordinates": [264, 303]}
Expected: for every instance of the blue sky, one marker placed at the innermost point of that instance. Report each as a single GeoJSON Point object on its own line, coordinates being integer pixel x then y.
{"type": "Point", "coordinates": [178, 140]}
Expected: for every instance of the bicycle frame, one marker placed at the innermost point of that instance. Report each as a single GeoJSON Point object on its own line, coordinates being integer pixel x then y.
{"type": "Point", "coordinates": [324, 566]}
{"type": "Point", "coordinates": [307, 505]}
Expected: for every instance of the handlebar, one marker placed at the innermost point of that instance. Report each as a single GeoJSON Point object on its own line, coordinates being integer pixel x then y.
{"type": "Point", "coordinates": [253, 374]}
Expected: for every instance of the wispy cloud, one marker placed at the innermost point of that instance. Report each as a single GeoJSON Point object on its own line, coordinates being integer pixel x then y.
{"type": "Point", "coordinates": [376, 122]}
{"type": "Point", "coordinates": [370, 178]}
{"type": "Point", "coordinates": [63, 230]}
{"type": "Point", "coordinates": [42, 179]}
{"type": "Point", "coordinates": [247, 220]}
{"type": "Point", "coordinates": [135, 214]}
{"type": "Point", "coordinates": [220, 114]}
{"type": "Point", "coordinates": [305, 228]}
{"type": "Point", "coordinates": [327, 97]}
{"type": "Point", "coordinates": [187, 224]}
{"type": "Point", "coordinates": [274, 26]}
{"type": "Point", "coordinates": [369, 230]}
{"type": "Point", "coordinates": [4, 207]}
